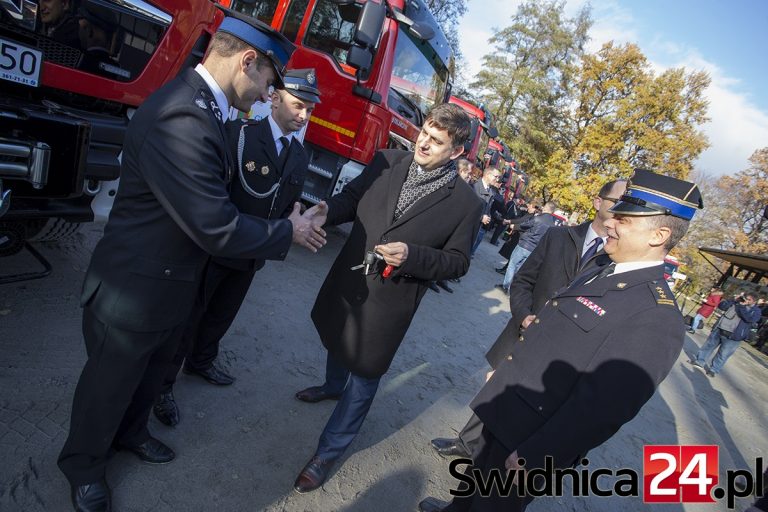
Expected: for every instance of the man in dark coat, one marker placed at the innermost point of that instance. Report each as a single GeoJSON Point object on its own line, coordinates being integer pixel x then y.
{"type": "Point", "coordinates": [593, 356]}
{"type": "Point", "coordinates": [486, 190]}
{"type": "Point", "coordinates": [172, 211]}
{"type": "Point", "coordinates": [271, 165]}
{"type": "Point", "coordinates": [414, 211]}
{"type": "Point", "coordinates": [562, 253]}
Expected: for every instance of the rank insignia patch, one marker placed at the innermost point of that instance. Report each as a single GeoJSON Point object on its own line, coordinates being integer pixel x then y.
{"type": "Point", "coordinates": [250, 166]}
{"type": "Point", "coordinates": [201, 103]}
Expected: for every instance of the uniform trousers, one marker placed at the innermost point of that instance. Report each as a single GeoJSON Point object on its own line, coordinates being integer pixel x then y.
{"type": "Point", "coordinates": [357, 394]}
{"type": "Point", "coordinates": [489, 454]}
{"type": "Point", "coordinates": [470, 435]}
{"type": "Point", "coordinates": [224, 290]}
{"type": "Point", "coordinates": [114, 395]}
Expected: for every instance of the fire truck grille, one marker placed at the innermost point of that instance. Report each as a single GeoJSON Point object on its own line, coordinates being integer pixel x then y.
{"type": "Point", "coordinates": [53, 51]}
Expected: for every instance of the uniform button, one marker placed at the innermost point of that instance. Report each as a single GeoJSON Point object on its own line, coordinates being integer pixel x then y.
{"type": "Point", "coordinates": [522, 338]}
{"type": "Point", "coordinates": [167, 272]}
{"type": "Point", "coordinates": [540, 408]}
{"type": "Point", "coordinates": [384, 240]}
{"type": "Point", "coordinates": [536, 321]}
{"type": "Point", "coordinates": [509, 358]}
{"type": "Point", "coordinates": [575, 315]}
{"type": "Point", "coordinates": [554, 303]}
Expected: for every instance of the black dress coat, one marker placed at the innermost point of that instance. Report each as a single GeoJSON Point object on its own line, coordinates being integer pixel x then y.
{"type": "Point", "coordinates": [362, 319]}
{"type": "Point", "coordinates": [172, 211]}
{"type": "Point", "coordinates": [595, 355]}
{"type": "Point", "coordinates": [551, 266]}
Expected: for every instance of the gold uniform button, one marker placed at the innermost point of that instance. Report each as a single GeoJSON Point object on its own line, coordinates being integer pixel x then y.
{"type": "Point", "coordinates": [536, 321]}
{"type": "Point", "coordinates": [522, 338]}
{"type": "Point", "coordinates": [554, 303]}
{"type": "Point", "coordinates": [509, 358]}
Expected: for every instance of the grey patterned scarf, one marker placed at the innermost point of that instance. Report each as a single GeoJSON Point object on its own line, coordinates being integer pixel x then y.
{"type": "Point", "coordinates": [420, 183]}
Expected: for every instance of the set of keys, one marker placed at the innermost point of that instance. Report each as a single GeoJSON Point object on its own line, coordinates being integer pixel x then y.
{"type": "Point", "coordinates": [370, 263]}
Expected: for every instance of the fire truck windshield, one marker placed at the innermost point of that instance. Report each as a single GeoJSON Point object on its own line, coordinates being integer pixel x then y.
{"type": "Point", "coordinates": [418, 73]}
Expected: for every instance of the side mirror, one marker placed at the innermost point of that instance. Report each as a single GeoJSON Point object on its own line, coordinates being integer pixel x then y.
{"type": "Point", "coordinates": [369, 24]}
{"type": "Point", "coordinates": [360, 58]}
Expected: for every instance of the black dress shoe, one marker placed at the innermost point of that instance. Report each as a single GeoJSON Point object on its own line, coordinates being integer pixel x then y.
{"type": "Point", "coordinates": [313, 475]}
{"type": "Point", "coordinates": [316, 394]}
{"type": "Point", "coordinates": [430, 504]}
{"type": "Point", "coordinates": [93, 497]}
{"type": "Point", "coordinates": [152, 451]}
{"type": "Point", "coordinates": [444, 286]}
{"type": "Point", "coordinates": [166, 410]}
{"type": "Point", "coordinates": [433, 287]}
{"type": "Point", "coordinates": [449, 447]}
{"type": "Point", "coordinates": [212, 375]}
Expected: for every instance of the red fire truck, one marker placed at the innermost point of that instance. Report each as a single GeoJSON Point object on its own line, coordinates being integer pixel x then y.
{"type": "Point", "coordinates": [70, 78]}
{"type": "Point", "coordinates": [483, 129]}
{"type": "Point", "coordinates": [380, 67]}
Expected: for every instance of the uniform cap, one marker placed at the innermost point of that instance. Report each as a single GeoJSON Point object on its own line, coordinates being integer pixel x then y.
{"type": "Point", "coordinates": [649, 193]}
{"type": "Point", "coordinates": [261, 36]}
{"type": "Point", "coordinates": [302, 83]}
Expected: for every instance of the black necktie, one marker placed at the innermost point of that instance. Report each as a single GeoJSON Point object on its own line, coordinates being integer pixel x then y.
{"type": "Point", "coordinates": [593, 274]}
{"type": "Point", "coordinates": [283, 152]}
{"type": "Point", "coordinates": [597, 243]}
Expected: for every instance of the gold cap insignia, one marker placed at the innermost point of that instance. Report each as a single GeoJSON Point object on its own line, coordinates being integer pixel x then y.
{"type": "Point", "coordinates": [250, 166]}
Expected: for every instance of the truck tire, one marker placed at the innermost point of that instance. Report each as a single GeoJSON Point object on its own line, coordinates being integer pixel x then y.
{"type": "Point", "coordinates": [51, 230]}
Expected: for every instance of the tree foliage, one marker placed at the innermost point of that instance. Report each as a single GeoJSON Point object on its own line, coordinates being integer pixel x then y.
{"type": "Point", "coordinates": [447, 13]}
{"type": "Point", "coordinates": [575, 120]}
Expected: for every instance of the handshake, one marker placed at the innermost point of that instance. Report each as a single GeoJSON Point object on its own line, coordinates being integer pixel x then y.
{"type": "Point", "coordinates": [308, 227]}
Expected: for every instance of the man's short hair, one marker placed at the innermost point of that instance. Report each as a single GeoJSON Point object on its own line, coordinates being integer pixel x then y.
{"type": "Point", "coordinates": [550, 206]}
{"type": "Point", "coordinates": [463, 163]}
{"type": "Point", "coordinates": [224, 44]}
{"type": "Point", "coordinates": [678, 228]}
{"type": "Point", "coordinates": [453, 119]}
{"type": "Point", "coordinates": [605, 190]}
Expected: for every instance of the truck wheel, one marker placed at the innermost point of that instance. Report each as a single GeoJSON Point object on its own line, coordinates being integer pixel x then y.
{"type": "Point", "coordinates": [50, 230]}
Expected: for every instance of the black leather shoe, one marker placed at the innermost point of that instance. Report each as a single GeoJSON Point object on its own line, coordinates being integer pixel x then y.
{"type": "Point", "coordinates": [313, 475]}
{"type": "Point", "coordinates": [449, 447]}
{"type": "Point", "coordinates": [93, 497]}
{"type": "Point", "coordinates": [166, 410]}
{"type": "Point", "coordinates": [430, 504]}
{"type": "Point", "coordinates": [433, 287]}
{"type": "Point", "coordinates": [316, 394]}
{"type": "Point", "coordinates": [213, 375]}
{"type": "Point", "coordinates": [152, 451]}
{"type": "Point", "coordinates": [444, 286]}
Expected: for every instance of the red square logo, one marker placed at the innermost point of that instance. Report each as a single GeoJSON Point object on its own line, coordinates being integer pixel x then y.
{"type": "Point", "coordinates": [674, 474]}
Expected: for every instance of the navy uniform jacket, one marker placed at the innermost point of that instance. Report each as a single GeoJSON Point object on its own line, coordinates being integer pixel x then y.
{"type": "Point", "coordinates": [595, 354]}
{"type": "Point", "coordinates": [171, 212]}
{"type": "Point", "coordinates": [551, 266]}
{"type": "Point", "coordinates": [260, 187]}
{"type": "Point", "coordinates": [362, 319]}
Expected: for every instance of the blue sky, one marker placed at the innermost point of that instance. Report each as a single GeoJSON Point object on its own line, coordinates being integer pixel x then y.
{"type": "Point", "coordinates": [728, 39]}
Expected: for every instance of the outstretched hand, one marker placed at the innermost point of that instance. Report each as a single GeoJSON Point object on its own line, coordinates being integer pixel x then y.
{"type": "Point", "coordinates": [306, 231]}
{"type": "Point", "coordinates": [318, 214]}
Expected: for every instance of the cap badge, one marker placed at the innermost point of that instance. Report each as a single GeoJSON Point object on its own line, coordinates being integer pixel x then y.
{"type": "Point", "coordinates": [250, 166]}
{"type": "Point", "coordinates": [311, 78]}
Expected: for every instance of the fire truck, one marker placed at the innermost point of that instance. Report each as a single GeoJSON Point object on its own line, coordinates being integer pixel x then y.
{"type": "Point", "coordinates": [483, 129]}
{"type": "Point", "coordinates": [70, 79]}
{"type": "Point", "coordinates": [380, 68]}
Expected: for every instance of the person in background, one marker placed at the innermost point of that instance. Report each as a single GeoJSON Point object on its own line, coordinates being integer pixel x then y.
{"type": "Point", "coordinates": [706, 309]}
{"type": "Point", "coordinates": [726, 336]}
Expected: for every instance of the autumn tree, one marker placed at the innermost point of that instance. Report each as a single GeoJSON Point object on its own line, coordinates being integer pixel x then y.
{"type": "Point", "coordinates": [526, 77]}
{"type": "Point", "coordinates": [447, 14]}
{"type": "Point", "coordinates": [624, 116]}
{"type": "Point", "coordinates": [732, 219]}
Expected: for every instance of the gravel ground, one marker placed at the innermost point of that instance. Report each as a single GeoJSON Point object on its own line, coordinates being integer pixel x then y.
{"type": "Point", "coordinates": [239, 448]}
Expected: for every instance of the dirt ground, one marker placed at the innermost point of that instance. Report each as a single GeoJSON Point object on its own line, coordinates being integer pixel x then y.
{"type": "Point", "coordinates": [240, 447]}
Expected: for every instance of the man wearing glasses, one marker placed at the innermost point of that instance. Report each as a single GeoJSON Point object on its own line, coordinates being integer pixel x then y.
{"type": "Point", "coordinates": [562, 254]}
